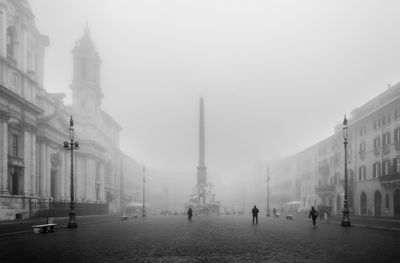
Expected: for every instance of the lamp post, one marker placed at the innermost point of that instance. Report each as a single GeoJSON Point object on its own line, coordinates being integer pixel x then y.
{"type": "Point", "coordinates": [144, 182]}
{"type": "Point", "coordinates": [71, 146]}
{"type": "Point", "coordinates": [345, 219]}
{"type": "Point", "coordinates": [268, 211]}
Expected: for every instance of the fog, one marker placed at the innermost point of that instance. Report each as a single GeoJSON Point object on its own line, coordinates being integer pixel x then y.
{"type": "Point", "coordinates": [276, 76]}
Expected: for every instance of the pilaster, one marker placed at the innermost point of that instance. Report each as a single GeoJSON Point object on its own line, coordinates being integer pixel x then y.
{"type": "Point", "coordinates": [42, 170]}
{"type": "Point", "coordinates": [27, 162]}
{"type": "Point", "coordinates": [4, 152]}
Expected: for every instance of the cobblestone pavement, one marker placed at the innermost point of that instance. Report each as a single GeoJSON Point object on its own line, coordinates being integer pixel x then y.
{"type": "Point", "coordinates": [206, 239]}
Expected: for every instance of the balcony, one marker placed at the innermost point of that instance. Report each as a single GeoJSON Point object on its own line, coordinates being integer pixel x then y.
{"type": "Point", "coordinates": [391, 179]}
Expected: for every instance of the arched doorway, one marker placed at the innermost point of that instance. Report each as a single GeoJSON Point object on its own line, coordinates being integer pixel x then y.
{"type": "Point", "coordinates": [338, 204]}
{"type": "Point", "coordinates": [396, 202]}
{"type": "Point", "coordinates": [363, 202]}
{"type": "Point", "coordinates": [378, 203]}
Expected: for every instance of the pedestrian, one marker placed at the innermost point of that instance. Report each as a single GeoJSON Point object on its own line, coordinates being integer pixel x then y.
{"type": "Point", "coordinates": [190, 214]}
{"type": "Point", "coordinates": [255, 211]}
{"type": "Point", "coordinates": [274, 211]}
{"type": "Point", "coordinates": [313, 215]}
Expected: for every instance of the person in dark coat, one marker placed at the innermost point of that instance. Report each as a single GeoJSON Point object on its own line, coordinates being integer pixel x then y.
{"type": "Point", "coordinates": [255, 211]}
{"type": "Point", "coordinates": [190, 214]}
{"type": "Point", "coordinates": [313, 215]}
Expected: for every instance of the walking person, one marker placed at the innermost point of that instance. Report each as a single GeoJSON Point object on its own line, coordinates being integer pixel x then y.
{"type": "Point", "coordinates": [313, 215]}
{"type": "Point", "coordinates": [274, 211]}
{"type": "Point", "coordinates": [255, 211]}
{"type": "Point", "coordinates": [190, 214]}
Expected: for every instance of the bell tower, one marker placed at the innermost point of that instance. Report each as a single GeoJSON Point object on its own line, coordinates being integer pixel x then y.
{"type": "Point", "coordinates": [86, 92]}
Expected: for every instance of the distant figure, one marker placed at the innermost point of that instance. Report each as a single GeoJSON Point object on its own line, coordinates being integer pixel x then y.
{"type": "Point", "coordinates": [326, 217]}
{"type": "Point", "coordinates": [313, 215]}
{"type": "Point", "coordinates": [190, 214]}
{"type": "Point", "coordinates": [255, 211]}
{"type": "Point", "coordinates": [274, 211]}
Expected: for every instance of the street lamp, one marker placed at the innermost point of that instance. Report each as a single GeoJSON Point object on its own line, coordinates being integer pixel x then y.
{"type": "Point", "coordinates": [144, 182]}
{"type": "Point", "coordinates": [268, 211]}
{"type": "Point", "coordinates": [346, 219]}
{"type": "Point", "coordinates": [71, 146]}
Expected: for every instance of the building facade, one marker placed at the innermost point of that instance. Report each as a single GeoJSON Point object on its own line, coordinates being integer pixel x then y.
{"type": "Point", "coordinates": [373, 162]}
{"type": "Point", "coordinates": [34, 124]}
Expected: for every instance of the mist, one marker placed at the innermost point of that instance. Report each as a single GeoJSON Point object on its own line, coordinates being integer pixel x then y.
{"type": "Point", "coordinates": [276, 77]}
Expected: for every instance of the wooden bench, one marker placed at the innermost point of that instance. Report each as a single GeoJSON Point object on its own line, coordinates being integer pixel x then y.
{"type": "Point", "coordinates": [44, 228]}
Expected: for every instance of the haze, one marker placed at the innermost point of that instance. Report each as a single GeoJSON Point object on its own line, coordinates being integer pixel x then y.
{"type": "Point", "coordinates": [276, 76]}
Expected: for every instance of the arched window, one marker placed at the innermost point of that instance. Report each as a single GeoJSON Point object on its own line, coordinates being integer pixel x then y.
{"type": "Point", "coordinates": [363, 202]}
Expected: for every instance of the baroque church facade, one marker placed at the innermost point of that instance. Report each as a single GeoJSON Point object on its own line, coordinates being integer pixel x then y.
{"type": "Point", "coordinates": [34, 124]}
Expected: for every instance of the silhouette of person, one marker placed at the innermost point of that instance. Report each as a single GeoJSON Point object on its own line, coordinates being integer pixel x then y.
{"type": "Point", "coordinates": [190, 214]}
{"type": "Point", "coordinates": [255, 211]}
{"type": "Point", "coordinates": [274, 211]}
{"type": "Point", "coordinates": [313, 215]}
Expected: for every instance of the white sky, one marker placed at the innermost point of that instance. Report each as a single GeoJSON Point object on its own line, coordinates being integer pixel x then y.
{"type": "Point", "coordinates": [276, 75]}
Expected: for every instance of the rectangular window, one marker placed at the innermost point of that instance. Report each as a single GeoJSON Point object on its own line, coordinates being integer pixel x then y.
{"type": "Point", "coordinates": [396, 165]}
{"type": "Point", "coordinates": [386, 139]}
{"type": "Point", "coordinates": [362, 173]}
{"type": "Point", "coordinates": [397, 138]}
{"type": "Point", "coordinates": [386, 168]}
{"type": "Point", "coordinates": [15, 145]}
{"type": "Point", "coordinates": [362, 147]}
{"type": "Point", "coordinates": [376, 169]}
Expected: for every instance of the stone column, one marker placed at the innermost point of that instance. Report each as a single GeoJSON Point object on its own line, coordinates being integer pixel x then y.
{"type": "Point", "coordinates": [102, 182]}
{"type": "Point", "coordinates": [4, 152]}
{"type": "Point", "coordinates": [42, 170]}
{"type": "Point", "coordinates": [27, 162]}
{"type": "Point", "coordinates": [3, 32]}
{"type": "Point", "coordinates": [61, 176]}
{"type": "Point", "coordinates": [88, 176]}
{"type": "Point", "coordinates": [33, 166]}
{"type": "Point", "coordinates": [48, 171]}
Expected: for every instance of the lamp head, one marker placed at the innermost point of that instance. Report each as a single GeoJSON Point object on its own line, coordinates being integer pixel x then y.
{"type": "Point", "coordinates": [76, 145]}
{"type": "Point", "coordinates": [66, 145]}
{"type": "Point", "coordinates": [345, 128]}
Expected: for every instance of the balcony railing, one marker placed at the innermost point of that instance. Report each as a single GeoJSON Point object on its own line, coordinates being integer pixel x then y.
{"type": "Point", "coordinates": [390, 178]}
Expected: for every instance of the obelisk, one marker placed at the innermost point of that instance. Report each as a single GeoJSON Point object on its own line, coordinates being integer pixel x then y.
{"type": "Point", "coordinates": [201, 169]}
